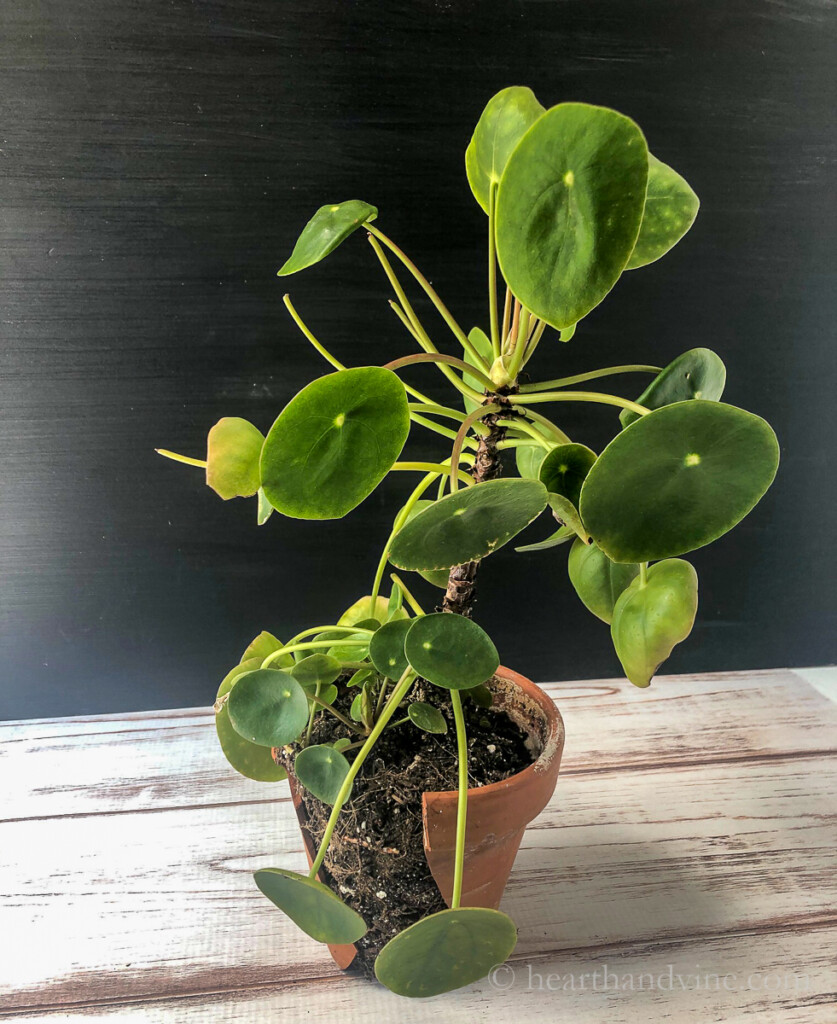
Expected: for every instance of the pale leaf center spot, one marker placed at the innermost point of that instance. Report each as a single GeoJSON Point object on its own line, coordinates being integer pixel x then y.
{"type": "Point", "coordinates": [692, 459]}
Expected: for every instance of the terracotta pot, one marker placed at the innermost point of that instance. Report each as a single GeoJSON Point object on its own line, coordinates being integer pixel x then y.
{"type": "Point", "coordinates": [497, 814]}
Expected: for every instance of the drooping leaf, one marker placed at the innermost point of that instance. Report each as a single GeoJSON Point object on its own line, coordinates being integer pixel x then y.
{"type": "Point", "coordinates": [597, 580]}
{"type": "Point", "coordinates": [698, 373]}
{"type": "Point", "coordinates": [482, 343]}
{"type": "Point", "coordinates": [450, 651]}
{"type": "Point", "coordinates": [311, 906]}
{"type": "Point", "coordinates": [264, 510]}
{"type": "Point", "coordinates": [561, 536]}
{"type": "Point", "coordinates": [650, 618]}
{"type": "Point", "coordinates": [268, 707]}
{"type": "Point", "coordinates": [506, 118]}
{"type": "Point", "coordinates": [445, 951]}
{"type": "Point", "coordinates": [564, 469]}
{"type": "Point", "coordinates": [362, 609]}
{"type": "Point", "coordinates": [248, 759]}
{"type": "Point", "coordinates": [569, 209]}
{"type": "Point", "coordinates": [233, 448]}
{"type": "Point", "coordinates": [386, 649]}
{"type": "Point", "coordinates": [427, 718]}
{"type": "Point", "coordinates": [567, 514]}
{"type": "Point", "coordinates": [468, 524]}
{"type": "Point", "coordinates": [670, 210]}
{"type": "Point", "coordinates": [330, 225]}
{"type": "Point", "coordinates": [316, 669]}
{"type": "Point", "coordinates": [263, 646]}
{"type": "Point", "coordinates": [334, 442]}
{"type": "Point", "coordinates": [322, 770]}
{"type": "Point", "coordinates": [677, 479]}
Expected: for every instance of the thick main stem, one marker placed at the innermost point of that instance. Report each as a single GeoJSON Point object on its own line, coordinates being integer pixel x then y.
{"type": "Point", "coordinates": [459, 596]}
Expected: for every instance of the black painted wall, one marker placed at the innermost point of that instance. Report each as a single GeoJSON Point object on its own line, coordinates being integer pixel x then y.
{"type": "Point", "coordinates": [157, 162]}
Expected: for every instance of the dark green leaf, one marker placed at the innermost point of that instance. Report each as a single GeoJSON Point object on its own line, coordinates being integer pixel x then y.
{"type": "Point", "coordinates": [677, 479]}
{"type": "Point", "coordinates": [316, 668]}
{"type": "Point", "coordinates": [427, 718]}
{"type": "Point", "coordinates": [529, 457]}
{"type": "Point", "coordinates": [569, 209]}
{"type": "Point", "coordinates": [597, 580]}
{"type": "Point", "coordinates": [445, 951]}
{"type": "Point", "coordinates": [248, 759]}
{"type": "Point", "coordinates": [650, 618]}
{"type": "Point", "coordinates": [386, 649]}
{"type": "Point", "coordinates": [450, 651]}
{"type": "Point", "coordinates": [360, 677]}
{"type": "Point", "coordinates": [268, 707]}
{"type": "Point", "coordinates": [503, 123]}
{"type": "Point", "coordinates": [322, 770]}
{"type": "Point", "coordinates": [480, 695]}
{"type": "Point", "coordinates": [232, 458]}
{"type": "Point", "coordinates": [564, 469]}
{"type": "Point", "coordinates": [334, 442]}
{"type": "Point", "coordinates": [438, 577]}
{"type": "Point", "coordinates": [311, 905]}
{"type": "Point", "coordinates": [329, 226]}
{"type": "Point", "coordinates": [698, 373]}
{"type": "Point", "coordinates": [468, 524]}
{"type": "Point", "coordinates": [565, 512]}
{"type": "Point", "coordinates": [670, 210]}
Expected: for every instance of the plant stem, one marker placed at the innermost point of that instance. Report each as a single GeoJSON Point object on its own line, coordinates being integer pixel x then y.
{"type": "Point", "coordinates": [607, 371]}
{"type": "Point", "coordinates": [582, 396]}
{"type": "Point", "coordinates": [403, 685]}
{"type": "Point", "coordinates": [519, 350]}
{"type": "Point", "coordinates": [411, 601]}
{"type": "Point", "coordinates": [462, 802]}
{"type": "Point", "coordinates": [185, 459]}
{"type": "Point", "coordinates": [316, 644]}
{"type": "Point", "coordinates": [504, 330]}
{"type": "Point", "coordinates": [346, 721]}
{"type": "Point", "coordinates": [305, 330]}
{"type": "Point", "coordinates": [458, 333]}
{"type": "Point", "coordinates": [428, 467]}
{"type": "Point", "coordinates": [456, 453]}
{"type": "Point", "coordinates": [438, 357]}
{"type": "Point", "coordinates": [536, 417]}
{"type": "Point", "coordinates": [534, 341]}
{"type": "Point", "coordinates": [526, 428]}
{"type": "Point", "coordinates": [381, 695]}
{"type": "Point", "coordinates": [643, 573]}
{"type": "Point", "coordinates": [492, 270]}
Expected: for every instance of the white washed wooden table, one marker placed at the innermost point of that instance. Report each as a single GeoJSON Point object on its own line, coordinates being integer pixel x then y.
{"type": "Point", "coordinates": [684, 870]}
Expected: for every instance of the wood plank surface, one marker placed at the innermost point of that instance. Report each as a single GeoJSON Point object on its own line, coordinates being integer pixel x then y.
{"type": "Point", "coordinates": [692, 826]}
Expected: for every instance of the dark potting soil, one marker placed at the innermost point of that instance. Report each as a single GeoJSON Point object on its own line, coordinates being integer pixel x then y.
{"type": "Point", "coordinates": [376, 861]}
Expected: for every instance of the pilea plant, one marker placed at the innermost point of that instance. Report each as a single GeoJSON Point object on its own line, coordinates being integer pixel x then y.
{"type": "Point", "coordinates": [573, 199]}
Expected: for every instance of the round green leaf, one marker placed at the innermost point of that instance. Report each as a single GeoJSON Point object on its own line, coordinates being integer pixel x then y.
{"type": "Point", "coordinates": [386, 648]}
{"type": "Point", "coordinates": [468, 524]}
{"type": "Point", "coordinates": [569, 209]}
{"type": "Point", "coordinates": [445, 951]}
{"type": "Point", "coordinates": [670, 210]}
{"type": "Point", "coordinates": [529, 457]}
{"type": "Point", "coordinates": [316, 668]}
{"type": "Point", "coordinates": [334, 442]}
{"type": "Point", "coordinates": [427, 718]}
{"type": "Point", "coordinates": [564, 469]}
{"type": "Point", "coordinates": [438, 577]}
{"type": "Point", "coordinates": [561, 536]}
{"type": "Point", "coordinates": [677, 479]}
{"type": "Point", "coordinates": [650, 618]}
{"type": "Point", "coordinates": [361, 676]}
{"type": "Point", "coordinates": [329, 226]}
{"type": "Point", "coordinates": [233, 448]}
{"type": "Point", "coordinates": [322, 770]}
{"type": "Point", "coordinates": [482, 343]}
{"type": "Point", "coordinates": [311, 905]}
{"type": "Point", "coordinates": [343, 651]}
{"type": "Point", "coordinates": [597, 580]}
{"type": "Point", "coordinates": [698, 373]}
{"type": "Point", "coordinates": [450, 651]}
{"type": "Point", "coordinates": [248, 759]}
{"type": "Point", "coordinates": [268, 707]}
{"type": "Point", "coordinates": [502, 124]}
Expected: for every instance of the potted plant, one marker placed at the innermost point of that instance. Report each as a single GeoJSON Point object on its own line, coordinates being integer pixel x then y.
{"type": "Point", "coordinates": [415, 761]}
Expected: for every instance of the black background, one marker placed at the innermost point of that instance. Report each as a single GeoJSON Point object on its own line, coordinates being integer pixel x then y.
{"type": "Point", "coordinates": [158, 160]}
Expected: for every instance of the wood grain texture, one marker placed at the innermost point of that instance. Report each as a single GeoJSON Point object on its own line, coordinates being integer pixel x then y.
{"type": "Point", "coordinates": [710, 849]}
{"type": "Point", "coordinates": [157, 160]}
